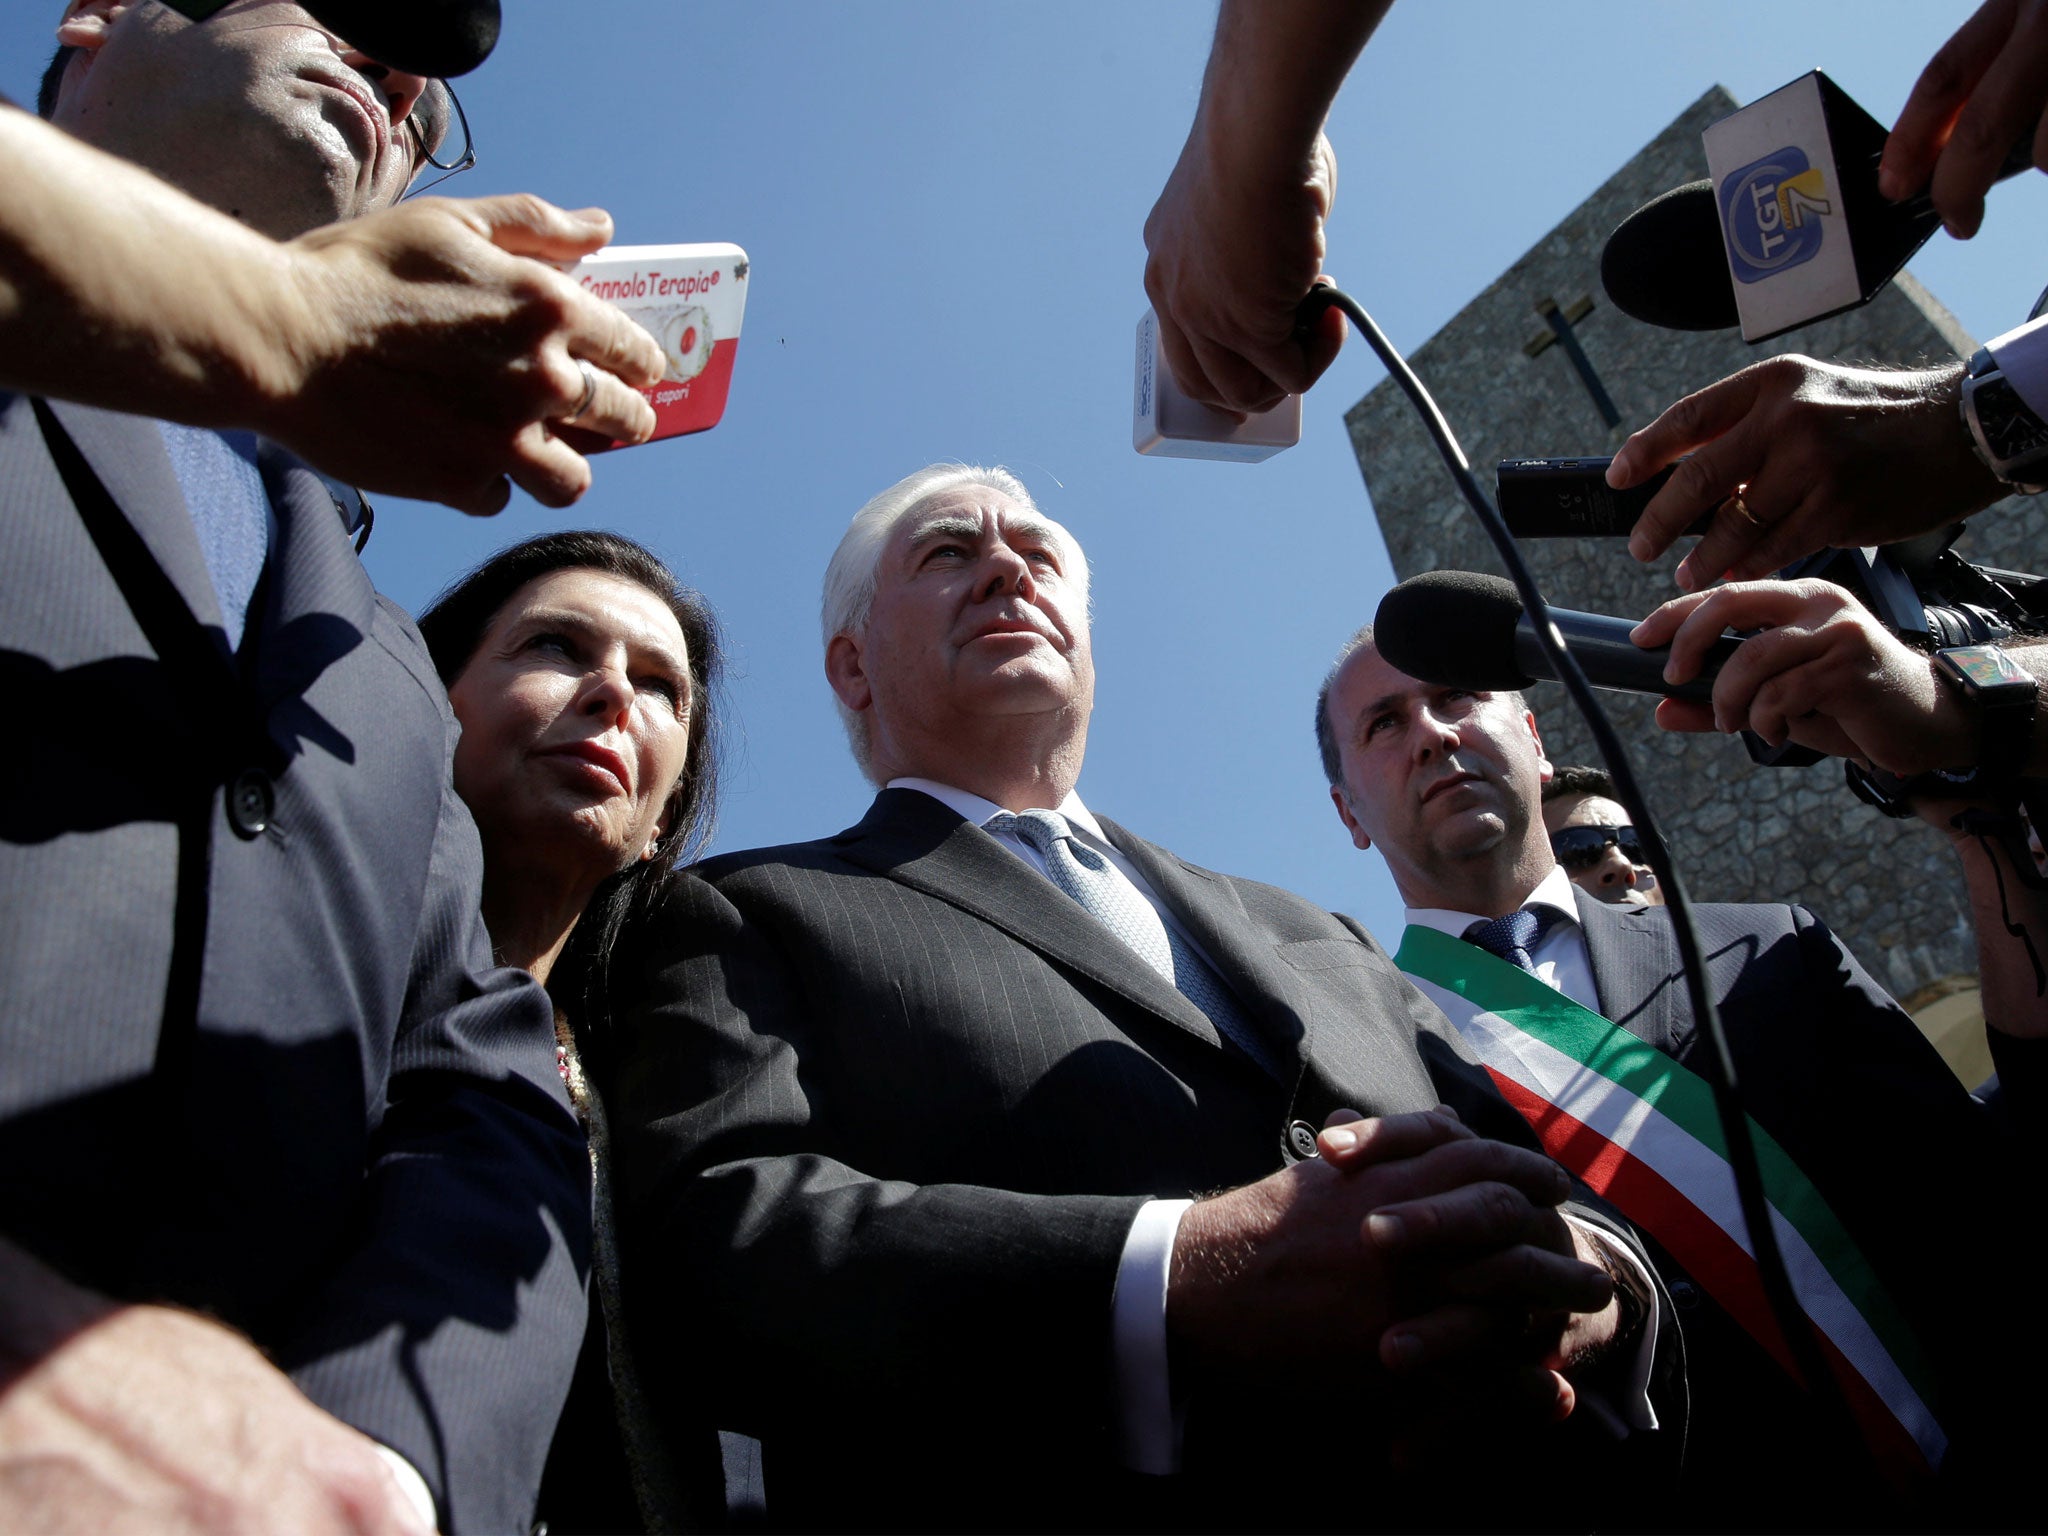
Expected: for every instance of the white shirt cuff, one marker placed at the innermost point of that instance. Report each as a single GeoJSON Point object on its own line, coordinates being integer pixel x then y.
{"type": "Point", "coordinates": [2022, 356]}
{"type": "Point", "coordinates": [1148, 1420]}
{"type": "Point", "coordinates": [1634, 1409]}
{"type": "Point", "coordinates": [412, 1485]}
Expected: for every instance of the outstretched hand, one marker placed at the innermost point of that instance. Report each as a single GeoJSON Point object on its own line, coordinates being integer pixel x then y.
{"type": "Point", "coordinates": [1800, 456]}
{"type": "Point", "coordinates": [432, 351]}
{"type": "Point", "coordinates": [1821, 672]}
{"type": "Point", "coordinates": [1982, 93]}
{"type": "Point", "coordinates": [1231, 256]}
{"type": "Point", "coordinates": [145, 1418]}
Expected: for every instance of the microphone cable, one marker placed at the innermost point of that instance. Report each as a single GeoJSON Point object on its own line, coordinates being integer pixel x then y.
{"type": "Point", "coordinates": [1791, 1318]}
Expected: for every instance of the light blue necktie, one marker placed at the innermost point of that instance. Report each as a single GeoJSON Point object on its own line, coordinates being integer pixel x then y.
{"type": "Point", "coordinates": [1107, 895]}
{"type": "Point", "coordinates": [230, 508]}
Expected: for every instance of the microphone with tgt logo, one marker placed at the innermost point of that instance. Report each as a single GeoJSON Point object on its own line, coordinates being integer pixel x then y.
{"type": "Point", "coordinates": [1789, 228]}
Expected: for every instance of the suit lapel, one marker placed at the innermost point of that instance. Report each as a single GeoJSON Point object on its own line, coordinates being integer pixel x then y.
{"type": "Point", "coordinates": [317, 602]}
{"type": "Point", "coordinates": [913, 839]}
{"type": "Point", "coordinates": [128, 455]}
{"type": "Point", "coordinates": [1214, 914]}
{"type": "Point", "coordinates": [1636, 971]}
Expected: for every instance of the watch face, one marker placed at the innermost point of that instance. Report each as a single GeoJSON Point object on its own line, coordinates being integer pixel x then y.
{"type": "Point", "coordinates": [2013, 433]}
{"type": "Point", "coordinates": [1987, 673]}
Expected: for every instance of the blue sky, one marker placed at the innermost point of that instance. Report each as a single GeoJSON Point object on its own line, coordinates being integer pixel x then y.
{"type": "Point", "coordinates": [943, 206]}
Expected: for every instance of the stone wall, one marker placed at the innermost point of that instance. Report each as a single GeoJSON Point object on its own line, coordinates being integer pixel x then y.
{"type": "Point", "coordinates": [1743, 833]}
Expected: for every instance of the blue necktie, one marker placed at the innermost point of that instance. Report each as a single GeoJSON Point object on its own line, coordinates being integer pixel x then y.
{"type": "Point", "coordinates": [224, 493]}
{"type": "Point", "coordinates": [1107, 895]}
{"type": "Point", "coordinates": [1511, 938]}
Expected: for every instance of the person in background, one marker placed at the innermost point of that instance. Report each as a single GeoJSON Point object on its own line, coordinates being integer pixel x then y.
{"type": "Point", "coordinates": [585, 678]}
{"type": "Point", "coordinates": [1580, 1008]}
{"type": "Point", "coordinates": [1592, 840]}
{"type": "Point", "coordinates": [304, 1248]}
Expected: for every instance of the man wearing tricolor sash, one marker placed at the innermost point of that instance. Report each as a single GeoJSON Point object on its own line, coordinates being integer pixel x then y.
{"type": "Point", "coordinates": [1879, 1168]}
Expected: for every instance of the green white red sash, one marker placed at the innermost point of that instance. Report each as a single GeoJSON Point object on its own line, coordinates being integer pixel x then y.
{"type": "Point", "coordinates": [1642, 1131]}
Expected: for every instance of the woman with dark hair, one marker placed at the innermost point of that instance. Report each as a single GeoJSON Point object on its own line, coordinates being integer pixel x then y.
{"type": "Point", "coordinates": [583, 674]}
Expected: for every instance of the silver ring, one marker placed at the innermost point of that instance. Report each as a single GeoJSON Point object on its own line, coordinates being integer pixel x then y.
{"type": "Point", "coordinates": [589, 389]}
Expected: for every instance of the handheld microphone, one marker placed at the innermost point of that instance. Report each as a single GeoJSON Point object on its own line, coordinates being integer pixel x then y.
{"type": "Point", "coordinates": [1789, 229]}
{"type": "Point", "coordinates": [1466, 629]}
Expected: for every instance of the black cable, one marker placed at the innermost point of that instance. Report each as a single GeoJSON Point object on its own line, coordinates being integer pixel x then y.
{"type": "Point", "coordinates": [1742, 1161]}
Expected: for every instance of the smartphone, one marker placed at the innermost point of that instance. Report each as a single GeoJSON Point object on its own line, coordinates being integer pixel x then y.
{"type": "Point", "coordinates": [690, 299]}
{"type": "Point", "coordinates": [1571, 499]}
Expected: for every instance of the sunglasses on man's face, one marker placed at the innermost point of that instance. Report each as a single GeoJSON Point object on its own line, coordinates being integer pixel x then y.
{"type": "Point", "coordinates": [1579, 848]}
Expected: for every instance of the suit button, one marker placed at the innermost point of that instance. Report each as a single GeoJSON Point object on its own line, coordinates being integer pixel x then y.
{"type": "Point", "coordinates": [1301, 1136]}
{"type": "Point", "coordinates": [1685, 1295]}
{"type": "Point", "coordinates": [250, 803]}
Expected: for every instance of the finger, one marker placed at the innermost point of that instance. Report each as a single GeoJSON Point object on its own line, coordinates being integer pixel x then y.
{"type": "Point", "coordinates": [612, 339]}
{"type": "Point", "coordinates": [1923, 125]}
{"type": "Point", "coordinates": [485, 499]}
{"type": "Point", "coordinates": [527, 225]}
{"type": "Point", "coordinates": [1690, 424]}
{"type": "Point", "coordinates": [616, 413]}
{"type": "Point", "coordinates": [1484, 1215]}
{"type": "Point", "coordinates": [1473, 1160]}
{"type": "Point", "coordinates": [1661, 623]}
{"type": "Point", "coordinates": [2003, 108]}
{"type": "Point", "coordinates": [1685, 715]}
{"type": "Point", "coordinates": [1755, 662]}
{"type": "Point", "coordinates": [1360, 1141]}
{"type": "Point", "coordinates": [1188, 372]}
{"type": "Point", "coordinates": [1243, 388]}
{"type": "Point", "coordinates": [1324, 341]}
{"type": "Point", "coordinates": [1789, 538]}
{"type": "Point", "coordinates": [1690, 642]}
{"type": "Point", "coordinates": [547, 469]}
{"type": "Point", "coordinates": [1531, 1278]}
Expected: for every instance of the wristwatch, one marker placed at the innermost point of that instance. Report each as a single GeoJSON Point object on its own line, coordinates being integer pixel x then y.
{"type": "Point", "coordinates": [2002, 695]}
{"type": "Point", "coordinates": [2006, 434]}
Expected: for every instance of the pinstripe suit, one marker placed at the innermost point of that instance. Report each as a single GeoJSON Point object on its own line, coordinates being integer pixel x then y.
{"type": "Point", "coordinates": [271, 1076]}
{"type": "Point", "coordinates": [885, 1106]}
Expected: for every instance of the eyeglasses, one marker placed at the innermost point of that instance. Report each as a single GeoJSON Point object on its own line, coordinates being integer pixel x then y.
{"type": "Point", "coordinates": [1579, 848]}
{"type": "Point", "coordinates": [440, 131]}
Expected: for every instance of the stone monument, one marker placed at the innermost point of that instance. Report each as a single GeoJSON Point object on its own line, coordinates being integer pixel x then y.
{"type": "Point", "coordinates": [1541, 365]}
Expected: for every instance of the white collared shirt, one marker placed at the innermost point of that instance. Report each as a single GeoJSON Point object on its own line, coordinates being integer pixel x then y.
{"type": "Point", "coordinates": [1560, 959]}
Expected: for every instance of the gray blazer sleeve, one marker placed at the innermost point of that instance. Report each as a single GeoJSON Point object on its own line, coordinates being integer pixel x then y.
{"type": "Point", "coordinates": [449, 1328]}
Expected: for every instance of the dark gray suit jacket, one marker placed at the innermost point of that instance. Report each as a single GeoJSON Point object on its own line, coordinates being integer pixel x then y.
{"type": "Point", "coordinates": [884, 1108]}
{"type": "Point", "coordinates": [1833, 1068]}
{"type": "Point", "coordinates": [272, 1077]}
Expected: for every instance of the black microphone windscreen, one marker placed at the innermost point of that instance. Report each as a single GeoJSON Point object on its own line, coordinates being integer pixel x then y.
{"type": "Point", "coordinates": [437, 38]}
{"type": "Point", "coordinates": [1454, 629]}
{"type": "Point", "coordinates": [1663, 264]}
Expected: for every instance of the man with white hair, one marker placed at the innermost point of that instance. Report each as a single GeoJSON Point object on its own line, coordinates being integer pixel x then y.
{"type": "Point", "coordinates": [916, 1125]}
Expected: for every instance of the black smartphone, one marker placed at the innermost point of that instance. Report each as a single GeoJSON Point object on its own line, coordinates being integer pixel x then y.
{"type": "Point", "coordinates": [1571, 499]}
